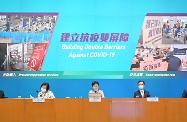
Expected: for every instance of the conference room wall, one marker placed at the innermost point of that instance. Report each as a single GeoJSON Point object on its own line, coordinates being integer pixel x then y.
{"type": "Point", "coordinates": [113, 88]}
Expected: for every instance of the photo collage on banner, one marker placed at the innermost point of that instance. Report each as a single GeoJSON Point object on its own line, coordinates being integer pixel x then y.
{"type": "Point", "coordinates": [24, 40]}
{"type": "Point", "coordinates": [162, 45]}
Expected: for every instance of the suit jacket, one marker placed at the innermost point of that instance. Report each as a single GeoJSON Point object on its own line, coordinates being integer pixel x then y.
{"type": "Point", "coordinates": [184, 94]}
{"type": "Point", "coordinates": [2, 95]}
{"type": "Point", "coordinates": [137, 94]}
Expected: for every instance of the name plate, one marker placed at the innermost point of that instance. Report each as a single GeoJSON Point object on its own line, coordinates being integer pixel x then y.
{"type": "Point", "coordinates": [95, 99]}
{"type": "Point", "coordinates": [38, 100]}
{"type": "Point", "coordinates": [152, 99]}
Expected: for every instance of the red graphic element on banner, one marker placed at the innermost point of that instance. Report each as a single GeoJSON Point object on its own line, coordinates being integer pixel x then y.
{"type": "Point", "coordinates": [37, 56]}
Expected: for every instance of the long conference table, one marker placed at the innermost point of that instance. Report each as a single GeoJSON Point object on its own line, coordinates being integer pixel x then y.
{"type": "Point", "coordinates": [81, 110]}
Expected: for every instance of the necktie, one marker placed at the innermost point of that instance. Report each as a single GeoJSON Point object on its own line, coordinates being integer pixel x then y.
{"type": "Point", "coordinates": [142, 93]}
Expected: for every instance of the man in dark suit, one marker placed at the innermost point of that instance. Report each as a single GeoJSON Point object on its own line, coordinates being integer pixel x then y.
{"type": "Point", "coordinates": [2, 95]}
{"type": "Point", "coordinates": [141, 93]}
{"type": "Point", "coordinates": [184, 94]}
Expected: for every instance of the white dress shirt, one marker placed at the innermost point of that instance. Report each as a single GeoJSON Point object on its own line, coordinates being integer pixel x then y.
{"type": "Point", "coordinates": [100, 92]}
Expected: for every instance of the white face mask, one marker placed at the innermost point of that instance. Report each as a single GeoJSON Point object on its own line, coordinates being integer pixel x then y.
{"type": "Point", "coordinates": [95, 88]}
{"type": "Point", "coordinates": [141, 87]}
{"type": "Point", "coordinates": [43, 90]}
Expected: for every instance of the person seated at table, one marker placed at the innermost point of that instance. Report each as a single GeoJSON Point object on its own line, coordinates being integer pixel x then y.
{"type": "Point", "coordinates": [141, 93]}
{"type": "Point", "coordinates": [2, 95]}
{"type": "Point", "coordinates": [95, 86]}
{"type": "Point", "coordinates": [45, 92]}
{"type": "Point", "coordinates": [184, 94]}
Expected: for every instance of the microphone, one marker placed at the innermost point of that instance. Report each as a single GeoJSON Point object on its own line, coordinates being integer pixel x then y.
{"type": "Point", "coordinates": [37, 92]}
{"type": "Point", "coordinates": [95, 91]}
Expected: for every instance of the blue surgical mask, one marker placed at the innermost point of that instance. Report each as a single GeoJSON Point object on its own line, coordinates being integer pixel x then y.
{"type": "Point", "coordinates": [141, 87]}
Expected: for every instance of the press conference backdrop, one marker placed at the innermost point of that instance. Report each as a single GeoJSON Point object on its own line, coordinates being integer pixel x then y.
{"type": "Point", "coordinates": [92, 17]}
{"type": "Point", "coordinates": [130, 19]}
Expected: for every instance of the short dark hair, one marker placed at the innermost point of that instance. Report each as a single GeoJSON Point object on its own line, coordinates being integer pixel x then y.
{"type": "Point", "coordinates": [95, 82]}
{"type": "Point", "coordinates": [45, 84]}
{"type": "Point", "coordinates": [142, 47]}
{"type": "Point", "coordinates": [141, 81]}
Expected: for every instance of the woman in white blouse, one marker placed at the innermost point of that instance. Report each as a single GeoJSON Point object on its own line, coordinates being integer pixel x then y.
{"type": "Point", "coordinates": [45, 93]}
{"type": "Point", "coordinates": [95, 86]}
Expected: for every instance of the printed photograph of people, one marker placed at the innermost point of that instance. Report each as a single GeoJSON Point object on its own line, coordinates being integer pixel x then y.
{"type": "Point", "coordinates": [26, 28]}
{"type": "Point", "coordinates": [22, 57]}
{"type": "Point", "coordinates": [174, 30]}
{"type": "Point", "coordinates": [164, 30]}
{"type": "Point", "coordinates": [24, 39]}
{"type": "Point", "coordinates": [160, 58]}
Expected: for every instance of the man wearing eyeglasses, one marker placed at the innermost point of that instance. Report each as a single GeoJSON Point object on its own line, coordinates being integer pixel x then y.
{"type": "Point", "coordinates": [141, 93]}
